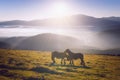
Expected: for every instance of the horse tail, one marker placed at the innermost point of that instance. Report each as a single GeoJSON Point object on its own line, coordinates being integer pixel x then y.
{"type": "Point", "coordinates": [82, 59]}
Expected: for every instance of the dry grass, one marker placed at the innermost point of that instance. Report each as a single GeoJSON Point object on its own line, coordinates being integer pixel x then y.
{"type": "Point", "coordinates": [31, 65]}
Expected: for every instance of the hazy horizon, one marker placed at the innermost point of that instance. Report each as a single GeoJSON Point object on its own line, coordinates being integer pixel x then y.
{"type": "Point", "coordinates": [90, 29]}
{"type": "Point", "coordinates": [56, 17]}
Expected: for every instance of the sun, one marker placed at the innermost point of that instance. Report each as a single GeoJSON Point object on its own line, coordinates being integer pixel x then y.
{"type": "Point", "coordinates": [60, 9]}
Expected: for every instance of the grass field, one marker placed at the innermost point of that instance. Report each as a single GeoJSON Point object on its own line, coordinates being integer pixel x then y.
{"type": "Point", "coordinates": [31, 65]}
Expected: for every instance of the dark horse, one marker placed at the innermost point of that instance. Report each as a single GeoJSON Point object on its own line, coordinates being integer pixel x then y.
{"type": "Point", "coordinates": [71, 56]}
{"type": "Point", "coordinates": [59, 55]}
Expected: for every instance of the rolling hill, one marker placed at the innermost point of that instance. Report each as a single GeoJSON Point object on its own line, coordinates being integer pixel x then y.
{"type": "Point", "coordinates": [47, 42]}
{"type": "Point", "coordinates": [4, 45]}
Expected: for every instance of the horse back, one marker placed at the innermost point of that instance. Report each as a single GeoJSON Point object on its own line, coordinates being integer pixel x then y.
{"type": "Point", "coordinates": [58, 54]}
{"type": "Point", "coordinates": [77, 55]}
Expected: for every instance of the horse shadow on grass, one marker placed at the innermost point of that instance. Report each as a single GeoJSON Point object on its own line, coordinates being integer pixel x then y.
{"type": "Point", "coordinates": [70, 66]}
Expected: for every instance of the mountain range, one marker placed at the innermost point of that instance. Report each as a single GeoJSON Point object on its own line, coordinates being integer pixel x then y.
{"type": "Point", "coordinates": [74, 20]}
{"type": "Point", "coordinates": [107, 28]}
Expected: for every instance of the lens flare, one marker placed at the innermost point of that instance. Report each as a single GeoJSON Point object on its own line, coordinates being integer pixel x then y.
{"type": "Point", "coordinates": [60, 9]}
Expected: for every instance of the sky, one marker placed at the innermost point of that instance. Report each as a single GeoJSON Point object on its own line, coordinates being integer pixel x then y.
{"type": "Point", "coordinates": [40, 9]}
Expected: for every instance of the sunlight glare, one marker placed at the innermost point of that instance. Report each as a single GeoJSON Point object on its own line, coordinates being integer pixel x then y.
{"type": "Point", "coordinates": [60, 9]}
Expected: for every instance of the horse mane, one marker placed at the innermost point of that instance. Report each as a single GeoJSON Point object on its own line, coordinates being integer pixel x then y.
{"type": "Point", "coordinates": [69, 51]}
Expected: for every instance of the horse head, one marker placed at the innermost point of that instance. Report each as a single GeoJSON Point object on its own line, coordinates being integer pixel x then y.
{"type": "Point", "coordinates": [67, 50]}
{"type": "Point", "coordinates": [67, 54]}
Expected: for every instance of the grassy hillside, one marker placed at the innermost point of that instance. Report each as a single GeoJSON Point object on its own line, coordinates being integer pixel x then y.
{"type": "Point", "coordinates": [31, 65]}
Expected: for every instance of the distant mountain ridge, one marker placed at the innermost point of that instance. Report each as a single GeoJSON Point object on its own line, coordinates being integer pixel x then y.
{"type": "Point", "coordinates": [74, 20]}
{"type": "Point", "coordinates": [113, 18]}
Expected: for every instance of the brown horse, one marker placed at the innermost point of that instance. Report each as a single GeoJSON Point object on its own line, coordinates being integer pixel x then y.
{"type": "Point", "coordinates": [71, 56]}
{"type": "Point", "coordinates": [59, 55]}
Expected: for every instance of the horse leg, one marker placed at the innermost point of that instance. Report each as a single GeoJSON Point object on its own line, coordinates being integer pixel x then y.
{"type": "Point", "coordinates": [82, 62]}
{"type": "Point", "coordinates": [64, 62]}
{"type": "Point", "coordinates": [72, 62]}
{"type": "Point", "coordinates": [61, 61]}
{"type": "Point", "coordinates": [53, 58]}
{"type": "Point", "coordinates": [54, 61]}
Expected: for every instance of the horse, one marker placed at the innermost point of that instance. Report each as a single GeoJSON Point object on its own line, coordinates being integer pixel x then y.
{"type": "Point", "coordinates": [59, 55]}
{"type": "Point", "coordinates": [71, 56]}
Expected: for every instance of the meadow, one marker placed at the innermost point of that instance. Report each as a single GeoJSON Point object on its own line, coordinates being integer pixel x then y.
{"type": "Point", "coordinates": [31, 65]}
